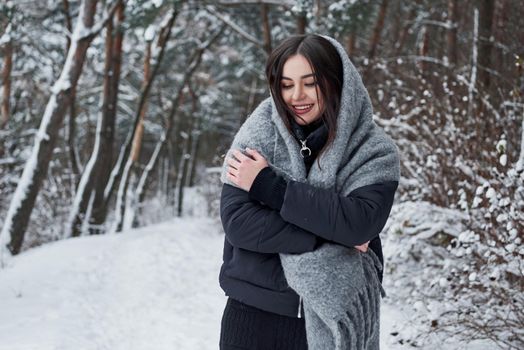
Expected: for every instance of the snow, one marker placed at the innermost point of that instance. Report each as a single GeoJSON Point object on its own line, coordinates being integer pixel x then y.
{"type": "Point", "coordinates": [520, 162]}
{"type": "Point", "coordinates": [149, 34]}
{"type": "Point", "coordinates": [150, 288]}
{"type": "Point", "coordinates": [6, 37]}
{"type": "Point", "coordinates": [158, 3]}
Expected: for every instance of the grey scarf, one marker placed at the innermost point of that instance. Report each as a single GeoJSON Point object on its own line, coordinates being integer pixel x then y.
{"type": "Point", "coordinates": [338, 285]}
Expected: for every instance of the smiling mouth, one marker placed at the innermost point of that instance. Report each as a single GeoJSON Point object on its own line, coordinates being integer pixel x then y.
{"type": "Point", "coordinates": [302, 109]}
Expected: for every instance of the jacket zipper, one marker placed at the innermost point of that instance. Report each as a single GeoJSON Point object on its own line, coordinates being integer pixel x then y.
{"type": "Point", "coordinates": [300, 307]}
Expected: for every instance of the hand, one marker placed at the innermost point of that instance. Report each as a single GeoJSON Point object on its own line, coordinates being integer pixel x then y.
{"type": "Point", "coordinates": [243, 170]}
{"type": "Point", "coordinates": [363, 247]}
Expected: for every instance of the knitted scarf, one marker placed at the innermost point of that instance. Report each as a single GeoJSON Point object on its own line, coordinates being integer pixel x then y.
{"type": "Point", "coordinates": [339, 286]}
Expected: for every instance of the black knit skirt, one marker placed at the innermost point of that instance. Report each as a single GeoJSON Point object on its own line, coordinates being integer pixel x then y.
{"type": "Point", "coordinates": [246, 327]}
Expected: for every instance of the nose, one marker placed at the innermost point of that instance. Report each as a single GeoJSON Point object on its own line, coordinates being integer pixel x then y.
{"type": "Point", "coordinates": [298, 93]}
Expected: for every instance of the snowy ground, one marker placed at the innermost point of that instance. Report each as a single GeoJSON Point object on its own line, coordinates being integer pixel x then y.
{"type": "Point", "coordinates": [150, 288]}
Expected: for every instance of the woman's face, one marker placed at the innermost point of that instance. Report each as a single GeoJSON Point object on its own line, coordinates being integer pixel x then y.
{"type": "Point", "coordinates": [299, 90]}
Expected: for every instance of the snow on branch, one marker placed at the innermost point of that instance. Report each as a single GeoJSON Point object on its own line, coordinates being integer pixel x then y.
{"type": "Point", "coordinates": [286, 3]}
{"type": "Point", "coordinates": [446, 25]}
{"type": "Point", "coordinates": [224, 18]}
{"type": "Point", "coordinates": [87, 34]}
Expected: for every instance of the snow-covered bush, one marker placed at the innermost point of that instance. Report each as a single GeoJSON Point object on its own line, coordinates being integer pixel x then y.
{"type": "Point", "coordinates": [459, 259]}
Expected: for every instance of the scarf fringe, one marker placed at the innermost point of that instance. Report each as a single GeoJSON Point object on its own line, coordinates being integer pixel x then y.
{"type": "Point", "coordinates": [359, 326]}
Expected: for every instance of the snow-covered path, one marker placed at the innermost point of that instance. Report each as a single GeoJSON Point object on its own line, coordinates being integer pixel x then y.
{"type": "Point", "coordinates": [150, 288]}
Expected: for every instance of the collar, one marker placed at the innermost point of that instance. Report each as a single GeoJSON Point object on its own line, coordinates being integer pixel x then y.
{"type": "Point", "coordinates": [314, 134]}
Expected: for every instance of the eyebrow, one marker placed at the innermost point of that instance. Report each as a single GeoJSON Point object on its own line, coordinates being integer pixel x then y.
{"type": "Point", "coordinates": [302, 77]}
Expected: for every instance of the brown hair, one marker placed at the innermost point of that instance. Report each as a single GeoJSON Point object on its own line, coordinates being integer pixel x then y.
{"type": "Point", "coordinates": [327, 68]}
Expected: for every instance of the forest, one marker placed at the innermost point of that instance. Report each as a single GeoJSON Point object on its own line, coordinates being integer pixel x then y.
{"type": "Point", "coordinates": [114, 113]}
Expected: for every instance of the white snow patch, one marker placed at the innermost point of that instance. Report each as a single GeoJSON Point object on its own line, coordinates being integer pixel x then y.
{"type": "Point", "coordinates": [149, 288]}
{"type": "Point", "coordinates": [149, 34]}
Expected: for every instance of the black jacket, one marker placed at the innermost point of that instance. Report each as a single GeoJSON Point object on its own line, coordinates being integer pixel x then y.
{"type": "Point", "coordinates": [291, 217]}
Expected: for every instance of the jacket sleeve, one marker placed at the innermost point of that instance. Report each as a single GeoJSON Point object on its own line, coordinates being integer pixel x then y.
{"type": "Point", "coordinates": [350, 221]}
{"type": "Point", "coordinates": [252, 226]}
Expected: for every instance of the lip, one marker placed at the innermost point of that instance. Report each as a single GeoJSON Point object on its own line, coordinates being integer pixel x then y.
{"type": "Point", "coordinates": [303, 111]}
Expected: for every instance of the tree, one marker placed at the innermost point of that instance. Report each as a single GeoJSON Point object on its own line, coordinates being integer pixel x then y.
{"type": "Point", "coordinates": [90, 190]}
{"type": "Point", "coordinates": [36, 167]}
{"type": "Point", "coordinates": [452, 32]}
{"type": "Point", "coordinates": [486, 12]}
{"type": "Point", "coordinates": [377, 30]}
{"type": "Point", "coordinates": [7, 51]}
{"type": "Point", "coordinates": [124, 168]}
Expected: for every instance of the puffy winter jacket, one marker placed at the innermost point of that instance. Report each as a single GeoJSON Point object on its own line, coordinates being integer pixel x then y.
{"type": "Point", "coordinates": [256, 230]}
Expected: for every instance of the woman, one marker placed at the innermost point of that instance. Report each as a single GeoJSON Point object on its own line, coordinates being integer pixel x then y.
{"type": "Point", "coordinates": [309, 178]}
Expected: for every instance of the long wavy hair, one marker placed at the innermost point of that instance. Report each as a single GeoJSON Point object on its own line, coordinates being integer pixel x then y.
{"type": "Point", "coordinates": [328, 72]}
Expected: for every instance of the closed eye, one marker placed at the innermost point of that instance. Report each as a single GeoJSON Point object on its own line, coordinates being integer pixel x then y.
{"type": "Point", "coordinates": [285, 87]}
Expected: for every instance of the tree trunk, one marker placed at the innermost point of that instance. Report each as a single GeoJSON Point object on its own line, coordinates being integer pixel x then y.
{"type": "Point", "coordinates": [37, 165]}
{"type": "Point", "coordinates": [135, 150]}
{"type": "Point", "coordinates": [301, 23]}
{"type": "Point", "coordinates": [250, 101]}
{"type": "Point", "coordinates": [423, 49]}
{"type": "Point", "coordinates": [125, 172]}
{"type": "Point", "coordinates": [474, 62]}
{"type": "Point", "coordinates": [99, 211]}
{"type": "Point", "coordinates": [486, 10]}
{"type": "Point", "coordinates": [117, 171]}
{"type": "Point", "coordinates": [141, 187]}
{"type": "Point", "coordinates": [5, 112]}
{"type": "Point", "coordinates": [179, 185]}
{"type": "Point", "coordinates": [375, 39]}
{"type": "Point", "coordinates": [396, 26]}
{"type": "Point", "coordinates": [101, 158]}
{"type": "Point", "coordinates": [170, 123]}
{"type": "Point", "coordinates": [137, 140]}
{"type": "Point", "coordinates": [499, 22]}
{"type": "Point", "coordinates": [71, 134]}
{"type": "Point", "coordinates": [69, 24]}
{"type": "Point", "coordinates": [194, 137]}
{"type": "Point", "coordinates": [452, 32]}
{"type": "Point", "coordinates": [6, 82]}
{"type": "Point", "coordinates": [193, 154]}
{"type": "Point", "coordinates": [266, 28]}
{"type": "Point", "coordinates": [351, 44]}
{"type": "Point", "coordinates": [399, 45]}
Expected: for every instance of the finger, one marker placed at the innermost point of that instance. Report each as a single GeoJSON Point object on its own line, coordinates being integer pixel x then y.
{"type": "Point", "coordinates": [231, 177]}
{"type": "Point", "coordinates": [240, 156]}
{"type": "Point", "coordinates": [232, 171]}
{"type": "Point", "coordinates": [254, 153]}
{"type": "Point", "coordinates": [232, 162]}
